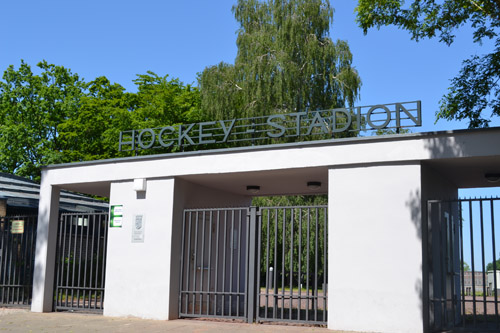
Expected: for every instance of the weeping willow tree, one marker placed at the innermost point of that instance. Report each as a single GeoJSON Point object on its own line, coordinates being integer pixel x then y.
{"type": "Point", "coordinates": [286, 62]}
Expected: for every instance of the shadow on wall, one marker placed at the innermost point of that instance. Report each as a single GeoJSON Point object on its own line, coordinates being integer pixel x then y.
{"type": "Point", "coordinates": [444, 147]}
{"type": "Point", "coordinates": [413, 204]}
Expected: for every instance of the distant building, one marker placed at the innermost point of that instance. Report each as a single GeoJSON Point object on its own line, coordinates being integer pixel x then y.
{"type": "Point", "coordinates": [491, 282]}
{"type": "Point", "coordinates": [20, 196]}
{"type": "Point", "coordinates": [478, 282]}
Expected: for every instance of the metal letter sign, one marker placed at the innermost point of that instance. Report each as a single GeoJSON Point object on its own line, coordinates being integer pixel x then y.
{"type": "Point", "coordinates": [286, 125]}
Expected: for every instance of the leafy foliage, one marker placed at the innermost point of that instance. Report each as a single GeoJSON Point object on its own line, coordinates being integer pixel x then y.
{"type": "Point", "coordinates": [32, 108]}
{"type": "Point", "coordinates": [286, 62]}
{"type": "Point", "coordinates": [56, 117]}
{"type": "Point", "coordinates": [489, 267]}
{"type": "Point", "coordinates": [475, 89]}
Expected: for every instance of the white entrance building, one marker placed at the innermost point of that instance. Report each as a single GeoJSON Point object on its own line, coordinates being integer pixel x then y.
{"type": "Point", "coordinates": [377, 188]}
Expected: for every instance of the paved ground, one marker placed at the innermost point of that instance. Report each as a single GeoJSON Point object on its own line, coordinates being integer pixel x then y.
{"type": "Point", "coordinates": [20, 320]}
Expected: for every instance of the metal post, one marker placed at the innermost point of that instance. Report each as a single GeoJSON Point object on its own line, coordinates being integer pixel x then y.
{"type": "Point", "coordinates": [252, 264]}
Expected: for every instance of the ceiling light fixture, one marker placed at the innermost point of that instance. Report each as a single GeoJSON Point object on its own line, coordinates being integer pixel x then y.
{"type": "Point", "coordinates": [492, 177]}
{"type": "Point", "coordinates": [313, 185]}
{"type": "Point", "coordinates": [253, 188]}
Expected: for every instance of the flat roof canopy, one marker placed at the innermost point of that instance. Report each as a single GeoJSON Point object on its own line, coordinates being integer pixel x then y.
{"type": "Point", "coordinates": [462, 156]}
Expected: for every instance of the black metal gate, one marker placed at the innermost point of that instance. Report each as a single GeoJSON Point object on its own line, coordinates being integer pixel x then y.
{"type": "Point", "coordinates": [292, 256]}
{"type": "Point", "coordinates": [81, 262]}
{"type": "Point", "coordinates": [266, 264]}
{"type": "Point", "coordinates": [214, 263]}
{"type": "Point", "coordinates": [464, 265]}
{"type": "Point", "coordinates": [17, 256]}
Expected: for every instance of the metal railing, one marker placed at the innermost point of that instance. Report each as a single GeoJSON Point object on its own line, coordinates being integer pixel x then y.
{"type": "Point", "coordinates": [214, 263]}
{"type": "Point", "coordinates": [228, 257]}
{"type": "Point", "coordinates": [17, 256]}
{"type": "Point", "coordinates": [81, 262]}
{"type": "Point", "coordinates": [292, 256]}
{"type": "Point", "coordinates": [464, 265]}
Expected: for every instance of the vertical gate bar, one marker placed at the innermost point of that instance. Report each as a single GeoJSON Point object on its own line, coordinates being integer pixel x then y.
{"type": "Point", "coordinates": [188, 267]}
{"type": "Point", "coordinates": [472, 263]}
{"type": "Point", "coordinates": [267, 261]}
{"type": "Point", "coordinates": [300, 265]}
{"type": "Point", "coordinates": [257, 266]}
{"type": "Point", "coordinates": [103, 224]}
{"type": "Point", "coordinates": [231, 260]}
{"type": "Point", "coordinates": [238, 274]}
{"type": "Point", "coordinates": [68, 236]}
{"type": "Point", "coordinates": [195, 263]}
{"type": "Point", "coordinates": [5, 258]}
{"type": "Point", "coordinates": [3, 252]}
{"type": "Point", "coordinates": [25, 266]}
{"type": "Point", "coordinates": [452, 262]}
{"type": "Point", "coordinates": [183, 252]}
{"type": "Point", "coordinates": [275, 284]}
{"type": "Point", "coordinates": [202, 261]}
{"type": "Point", "coordinates": [9, 266]}
{"type": "Point", "coordinates": [93, 296]}
{"type": "Point", "coordinates": [29, 274]}
{"type": "Point", "coordinates": [494, 260]}
{"type": "Point", "coordinates": [247, 266]}
{"type": "Point", "coordinates": [325, 263]}
{"type": "Point", "coordinates": [79, 260]}
{"type": "Point", "coordinates": [462, 260]}
{"type": "Point", "coordinates": [224, 247]}
{"type": "Point", "coordinates": [308, 253]}
{"type": "Point", "coordinates": [59, 261]}
{"type": "Point", "coordinates": [74, 262]}
{"type": "Point", "coordinates": [283, 267]}
{"type": "Point", "coordinates": [316, 299]}
{"type": "Point", "coordinates": [32, 256]}
{"type": "Point", "coordinates": [442, 260]}
{"type": "Point", "coordinates": [85, 293]}
{"type": "Point", "coordinates": [217, 261]}
{"type": "Point", "coordinates": [97, 270]}
{"type": "Point", "coordinates": [292, 216]}
{"type": "Point", "coordinates": [482, 257]}
{"type": "Point", "coordinates": [209, 296]}
{"type": "Point", "coordinates": [252, 264]}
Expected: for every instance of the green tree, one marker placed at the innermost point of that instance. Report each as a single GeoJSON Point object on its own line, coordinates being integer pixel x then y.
{"type": "Point", "coordinates": [91, 131]}
{"type": "Point", "coordinates": [286, 62]}
{"type": "Point", "coordinates": [474, 91]}
{"type": "Point", "coordinates": [32, 108]}
{"type": "Point", "coordinates": [465, 267]}
{"type": "Point", "coordinates": [489, 267]}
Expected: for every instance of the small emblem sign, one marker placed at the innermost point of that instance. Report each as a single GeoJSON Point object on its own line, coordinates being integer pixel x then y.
{"type": "Point", "coordinates": [138, 229]}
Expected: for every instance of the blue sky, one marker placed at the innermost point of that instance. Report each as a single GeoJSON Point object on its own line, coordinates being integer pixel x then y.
{"type": "Point", "coordinates": [119, 39]}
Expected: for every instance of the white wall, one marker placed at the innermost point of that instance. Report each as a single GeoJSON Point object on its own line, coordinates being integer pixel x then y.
{"type": "Point", "coordinates": [375, 250]}
{"type": "Point", "coordinates": [142, 279]}
{"type": "Point", "coordinates": [137, 274]}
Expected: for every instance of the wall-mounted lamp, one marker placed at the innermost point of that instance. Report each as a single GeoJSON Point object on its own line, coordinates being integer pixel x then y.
{"type": "Point", "coordinates": [492, 177]}
{"type": "Point", "coordinates": [139, 185]}
{"type": "Point", "coordinates": [313, 185]}
{"type": "Point", "coordinates": [253, 188]}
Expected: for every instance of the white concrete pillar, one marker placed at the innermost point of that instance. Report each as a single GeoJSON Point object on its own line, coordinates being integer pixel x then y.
{"type": "Point", "coordinates": [375, 249]}
{"type": "Point", "coordinates": [46, 242]}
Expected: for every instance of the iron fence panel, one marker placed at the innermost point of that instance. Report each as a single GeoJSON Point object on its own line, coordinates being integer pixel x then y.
{"type": "Point", "coordinates": [464, 270]}
{"type": "Point", "coordinates": [81, 262]}
{"type": "Point", "coordinates": [17, 256]}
